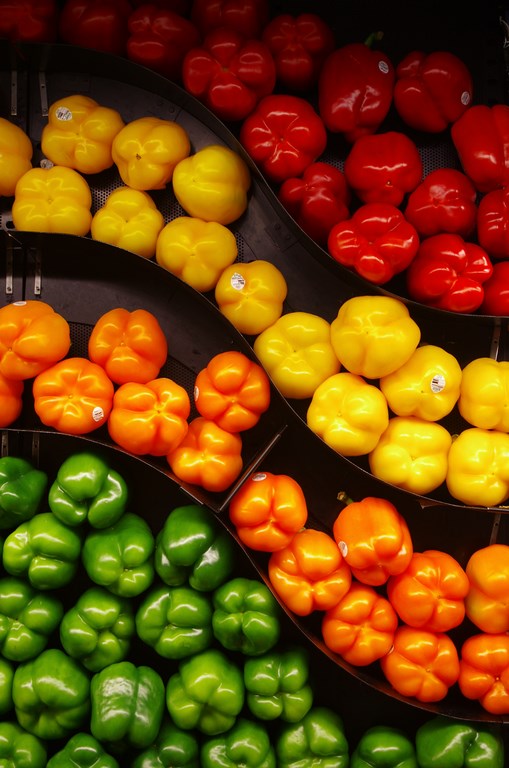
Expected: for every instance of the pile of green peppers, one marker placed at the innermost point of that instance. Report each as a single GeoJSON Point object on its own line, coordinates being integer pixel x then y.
{"type": "Point", "coordinates": [121, 646]}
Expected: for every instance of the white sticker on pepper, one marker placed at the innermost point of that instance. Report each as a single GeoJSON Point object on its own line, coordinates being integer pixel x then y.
{"type": "Point", "coordinates": [98, 413]}
{"type": "Point", "coordinates": [383, 67]}
{"type": "Point", "coordinates": [237, 281]}
{"type": "Point", "coordinates": [437, 383]}
{"type": "Point", "coordinates": [343, 548]}
{"type": "Point", "coordinates": [258, 477]}
{"type": "Point", "coordinates": [64, 114]}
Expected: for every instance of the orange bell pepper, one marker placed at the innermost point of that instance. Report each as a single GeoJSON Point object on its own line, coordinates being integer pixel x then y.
{"type": "Point", "coordinates": [484, 671]}
{"type": "Point", "coordinates": [361, 627]}
{"type": "Point", "coordinates": [268, 510]}
{"type": "Point", "coordinates": [32, 337]}
{"type": "Point", "coordinates": [374, 539]}
{"type": "Point", "coordinates": [422, 665]}
{"type": "Point", "coordinates": [74, 396]}
{"type": "Point", "coordinates": [130, 346]}
{"type": "Point", "coordinates": [208, 456]}
{"type": "Point", "coordinates": [149, 418]}
{"type": "Point", "coordinates": [11, 403]}
{"type": "Point", "coordinates": [487, 604]}
{"type": "Point", "coordinates": [16, 153]}
{"type": "Point", "coordinates": [430, 593]}
{"type": "Point", "coordinates": [233, 391]}
{"type": "Point", "coordinates": [309, 574]}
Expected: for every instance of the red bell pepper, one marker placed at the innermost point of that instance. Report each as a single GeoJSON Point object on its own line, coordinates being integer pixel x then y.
{"type": "Point", "coordinates": [159, 39]}
{"type": "Point", "coordinates": [377, 242]}
{"type": "Point", "coordinates": [31, 21]}
{"type": "Point", "coordinates": [283, 135]}
{"type": "Point", "coordinates": [493, 223]}
{"type": "Point", "coordinates": [432, 90]}
{"type": "Point", "coordinates": [481, 139]}
{"type": "Point", "coordinates": [97, 24]}
{"type": "Point", "coordinates": [496, 291]}
{"type": "Point", "coordinates": [248, 17]}
{"type": "Point", "coordinates": [355, 90]}
{"type": "Point", "coordinates": [317, 200]}
{"type": "Point", "coordinates": [299, 44]}
{"type": "Point", "coordinates": [449, 273]}
{"type": "Point", "coordinates": [383, 167]}
{"type": "Point", "coordinates": [229, 73]}
{"type": "Point", "coordinates": [445, 201]}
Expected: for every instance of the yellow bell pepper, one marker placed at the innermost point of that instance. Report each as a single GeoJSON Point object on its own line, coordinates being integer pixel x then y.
{"type": "Point", "coordinates": [251, 295]}
{"type": "Point", "coordinates": [348, 413]}
{"type": "Point", "coordinates": [374, 335]}
{"type": "Point", "coordinates": [196, 251]}
{"type": "Point", "coordinates": [79, 133]}
{"type": "Point", "coordinates": [426, 386]}
{"type": "Point", "coordinates": [297, 353]}
{"type": "Point", "coordinates": [16, 153]}
{"type": "Point", "coordinates": [147, 150]}
{"type": "Point", "coordinates": [412, 454]}
{"type": "Point", "coordinates": [130, 220]}
{"type": "Point", "coordinates": [484, 394]}
{"type": "Point", "coordinates": [54, 199]}
{"type": "Point", "coordinates": [212, 184]}
{"type": "Point", "coordinates": [478, 471]}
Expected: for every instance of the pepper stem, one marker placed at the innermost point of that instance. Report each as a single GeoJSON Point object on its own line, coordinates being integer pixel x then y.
{"type": "Point", "coordinates": [374, 37]}
{"type": "Point", "coordinates": [344, 497]}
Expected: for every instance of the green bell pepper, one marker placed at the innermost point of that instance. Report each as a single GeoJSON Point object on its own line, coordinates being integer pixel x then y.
{"type": "Point", "coordinates": [206, 693]}
{"type": "Point", "coordinates": [127, 704]}
{"type": "Point", "coordinates": [277, 685]}
{"type": "Point", "coordinates": [20, 749]}
{"type": "Point", "coordinates": [82, 751]}
{"type": "Point", "coordinates": [87, 489]}
{"type": "Point", "coordinates": [384, 747]}
{"type": "Point", "coordinates": [173, 748]}
{"type": "Point", "coordinates": [246, 616]}
{"type": "Point", "coordinates": [442, 742]}
{"type": "Point", "coordinates": [44, 550]}
{"type": "Point", "coordinates": [175, 621]}
{"type": "Point", "coordinates": [27, 619]}
{"type": "Point", "coordinates": [51, 695]}
{"type": "Point", "coordinates": [120, 557]}
{"type": "Point", "coordinates": [246, 744]}
{"type": "Point", "coordinates": [316, 741]}
{"type": "Point", "coordinates": [6, 678]}
{"type": "Point", "coordinates": [22, 487]}
{"type": "Point", "coordinates": [98, 629]}
{"type": "Point", "coordinates": [193, 546]}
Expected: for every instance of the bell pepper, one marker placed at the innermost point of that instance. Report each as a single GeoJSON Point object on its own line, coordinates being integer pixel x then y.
{"type": "Point", "coordinates": [87, 489]}
{"type": "Point", "coordinates": [98, 629]}
{"type": "Point", "coordinates": [432, 90]}
{"type": "Point", "coordinates": [496, 295]}
{"type": "Point", "coordinates": [74, 395]}
{"type": "Point", "coordinates": [277, 685]}
{"type": "Point", "coordinates": [229, 73]}
{"type": "Point", "coordinates": [28, 618]}
{"type": "Point", "coordinates": [412, 453]}
{"type": "Point", "coordinates": [481, 137]}
{"type": "Point", "coordinates": [173, 746]}
{"type": "Point", "coordinates": [348, 413]}
{"type": "Point", "coordinates": [374, 539]}
{"type": "Point", "coordinates": [206, 693]}
{"type": "Point", "coordinates": [34, 21]}
{"type": "Point", "coordinates": [384, 746]}
{"type": "Point", "coordinates": [32, 338]}
{"type": "Point", "coordinates": [100, 24]}
{"type": "Point", "coordinates": [383, 167]}
{"type": "Point", "coordinates": [484, 671]}
{"type": "Point", "coordinates": [16, 153]}
{"type": "Point", "coordinates": [445, 202]}
{"type": "Point", "coordinates": [149, 418]}
{"type": "Point", "coordinates": [246, 616]}
{"type": "Point", "coordinates": [193, 547]}
{"type": "Point", "coordinates": [131, 346]}
{"type": "Point", "coordinates": [361, 626]}
{"type": "Point", "coordinates": [317, 740]}
{"type": "Point", "coordinates": [232, 390]}
{"type": "Point", "coordinates": [377, 242]}
{"type": "Point", "coordinates": [477, 471]}
{"type": "Point", "coordinates": [373, 336]}
{"type": "Point", "coordinates": [448, 742]}
{"type": "Point", "coordinates": [11, 400]}
{"type": "Point", "coordinates": [82, 751]}
{"type": "Point", "coordinates": [19, 748]}
{"type": "Point", "coordinates": [317, 199]}
{"type": "Point", "coordinates": [146, 151]}
{"type": "Point", "coordinates": [267, 510]}
{"type": "Point", "coordinates": [196, 251]}
{"type": "Point", "coordinates": [129, 219]}
{"type": "Point", "coordinates": [175, 621]}
{"type": "Point", "coordinates": [6, 680]}
{"type": "Point", "coordinates": [426, 386]}
{"type": "Point", "coordinates": [44, 551]}
{"type": "Point", "coordinates": [488, 572]}
{"type": "Point", "coordinates": [483, 393]}
{"type": "Point", "coordinates": [297, 353]}
{"type": "Point", "coordinates": [247, 743]}
{"type": "Point", "coordinates": [248, 17]}
{"type": "Point", "coordinates": [492, 229]}
{"type": "Point", "coordinates": [430, 594]}
{"type": "Point", "coordinates": [309, 573]}
{"type": "Point", "coordinates": [127, 704]}
{"type": "Point", "coordinates": [120, 557]}
{"type": "Point", "coordinates": [22, 487]}
{"type": "Point", "coordinates": [51, 695]}
{"type": "Point", "coordinates": [213, 184]}
{"type": "Point", "coordinates": [355, 89]}
{"type": "Point", "coordinates": [283, 135]}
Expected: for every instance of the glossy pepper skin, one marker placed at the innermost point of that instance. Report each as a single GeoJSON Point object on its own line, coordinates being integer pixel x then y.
{"type": "Point", "coordinates": [383, 746]}
{"type": "Point", "coordinates": [22, 487]}
{"type": "Point", "coordinates": [317, 740]}
{"type": "Point", "coordinates": [492, 229]}
{"type": "Point", "coordinates": [173, 746]}
{"type": "Point", "coordinates": [129, 219]}
{"type": "Point", "coordinates": [445, 202]}
{"type": "Point", "coordinates": [6, 680]}
{"type": "Point", "coordinates": [34, 21]}
{"type": "Point", "coordinates": [480, 137]}
{"type": "Point", "coordinates": [16, 152]}
{"type": "Point", "coordinates": [245, 16]}
{"type": "Point", "coordinates": [247, 743]}
{"type": "Point", "coordinates": [496, 295]}
{"type": "Point", "coordinates": [446, 742]}
{"type": "Point", "coordinates": [277, 685]}
{"type": "Point", "coordinates": [483, 393]}
{"type": "Point", "coordinates": [100, 24]}
{"type": "Point", "coordinates": [27, 619]}
{"type": "Point", "coordinates": [477, 467]}
{"type": "Point", "coordinates": [484, 666]}
{"type": "Point", "coordinates": [11, 393]}
{"type": "Point", "coordinates": [82, 751]}
{"type": "Point", "coordinates": [17, 746]}
{"type": "Point", "coordinates": [488, 573]}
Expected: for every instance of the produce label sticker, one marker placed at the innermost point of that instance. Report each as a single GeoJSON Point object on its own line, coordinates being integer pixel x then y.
{"type": "Point", "coordinates": [98, 413]}
{"type": "Point", "coordinates": [259, 477]}
{"type": "Point", "coordinates": [63, 113]}
{"type": "Point", "coordinates": [237, 281]}
{"type": "Point", "coordinates": [383, 67]}
{"type": "Point", "coordinates": [437, 383]}
{"type": "Point", "coordinates": [343, 548]}
{"type": "Point", "coordinates": [465, 98]}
